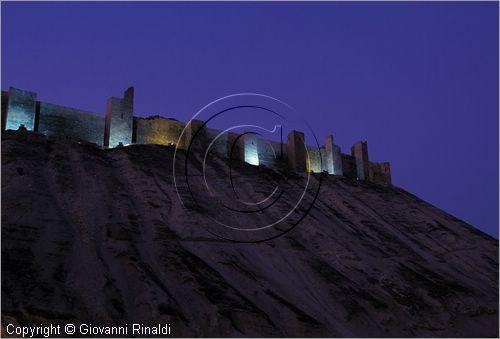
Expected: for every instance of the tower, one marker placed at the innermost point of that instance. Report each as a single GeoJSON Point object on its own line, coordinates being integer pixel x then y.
{"type": "Point", "coordinates": [250, 149]}
{"type": "Point", "coordinates": [360, 153]}
{"type": "Point", "coordinates": [333, 157]}
{"type": "Point", "coordinates": [20, 109]}
{"type": "Point", "coordinates": [119, 119]}
{"type": "Point", "coordinates": [296, 151]}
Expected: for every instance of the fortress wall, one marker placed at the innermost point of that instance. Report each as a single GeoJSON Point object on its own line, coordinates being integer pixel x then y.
{"type": "Point", "coordinates": [349, 166]}
{"type": "Point", "coordinates": [279, 156]}
{"type": "Point", "coordinates": [120, 126]}
{"type": "Point", "coordinates": [329, 154]}
{"type": "Point", "coordinates": [360, 153]}
{"type": "Point", "coordinates": [380, 173]}
{"type": "Point", "coordinates": [314, 163]}
{"type": "Point", "coordinates": [220, 145]}
{"type": "Point", "coordinates": [324, 167]}
{"type": "Point", "coordinates": [234, 148]}
{"type": "Point", "coordinates": [72, 122]}
{"type": "Point", "coordinates": [119, 119]}
{"type": "Point", "coordinates": [157, 130]}
{"type": "Point", "coordinates": [20, 109]}
{"type": "Point", "coordinates": [279, 149]}
{"type": "Point", "coordinates": [256, 150]}
{"type": "Point", "coordinates": [269, 153]}
{"type": "Point", "coordinates": [5, 102]}
{"type": "Point", "coordinates": [337, 161]}
{"type": "Point", "coordinates": [195, 135]}
{"type": "Point", "coordinates": [297, 158]}
{"type": "Point", "coordinates": [251, 148]}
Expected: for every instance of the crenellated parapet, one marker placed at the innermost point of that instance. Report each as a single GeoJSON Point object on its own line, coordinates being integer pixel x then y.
{"type": "Point", "coordinates": [118, 126]}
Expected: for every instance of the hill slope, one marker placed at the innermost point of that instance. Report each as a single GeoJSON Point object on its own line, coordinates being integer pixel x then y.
{"type": "Point", "coordinates": [93, 236]}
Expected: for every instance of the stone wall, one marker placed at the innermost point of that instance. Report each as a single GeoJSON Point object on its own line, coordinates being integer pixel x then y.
{"type": "Point", "coordinates": [219, 141]}
{"type": "Point", "coordinates": [194, 136]}
{"type": "Point", "coordinates": [296, 150]}
{"type": "Point", "coordinates": [337, 161]}
{"type": "Point", "coordinates": [280, 149]}
{"type": "Point", "coordinates": [323, 159]}
{"type": "Point", "coordinates": [332, 159]}
{"type": "Point", "coordinates": [66, 121]}
{"type": "Point", "coordinates": [349, 166]}
{"type": "Point", "coordinates": [156, 130]}
{"type": "Point", "coordinates": [21, 109]}
{"type": "Point", "coordinates": [250, 149]}
{"type": "Point", "coordinates": [314, 161]}
{"type": "Point", "coordinates": [380, 173]}
{"type": "Point", "coordinates": [234, 146]}
{"type": "Point", "coordinates": [119, 119]}
{"type": "Point", "coordinates": [5, 102]}
{"type": "Point", "coordinates": [269, 152]}
{"type": "Point", "coordinates": [360, 153]}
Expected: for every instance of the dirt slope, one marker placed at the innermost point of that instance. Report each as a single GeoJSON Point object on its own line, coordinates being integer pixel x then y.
{"type": "Point", "coordinates": [93, 236]}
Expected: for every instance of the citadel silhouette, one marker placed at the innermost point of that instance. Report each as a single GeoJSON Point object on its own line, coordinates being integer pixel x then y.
{"type": "Point", "coordinates": [21, 109]}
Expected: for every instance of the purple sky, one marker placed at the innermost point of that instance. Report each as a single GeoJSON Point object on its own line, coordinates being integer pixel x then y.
{"type": "Point", "coordinates": [419, 81]}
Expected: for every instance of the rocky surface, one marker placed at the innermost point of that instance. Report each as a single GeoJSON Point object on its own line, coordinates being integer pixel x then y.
{"type": "Point", "coordinates": [94, 236]}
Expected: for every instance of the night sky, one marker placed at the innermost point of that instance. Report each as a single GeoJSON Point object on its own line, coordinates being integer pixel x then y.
{"type": "Point", "coordinates": [419, 81]}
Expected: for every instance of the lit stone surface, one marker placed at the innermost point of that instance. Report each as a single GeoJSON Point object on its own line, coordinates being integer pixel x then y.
{"type": "Point", "coordinates": [333, 159]}
{"type": "Point", "coordinates": [313, 159]}
{"type": "Point", "coordinates": [337, 161]}
{"type": "Point", "coordinates": [21, 109]}
{"type": "Point", "coordinates": [119, 126]}
{"type": "Point", "coordinates": [251, 150]}
{"type": "Point", "coordinates": [119, 119]}
{"type": "Point", "coordinates": [157, 130]}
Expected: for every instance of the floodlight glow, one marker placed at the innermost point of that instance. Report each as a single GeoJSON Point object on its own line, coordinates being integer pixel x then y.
{"type": "Point", "coordinates": [251, 156]}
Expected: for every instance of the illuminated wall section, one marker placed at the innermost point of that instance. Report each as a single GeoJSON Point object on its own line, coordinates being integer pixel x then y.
{"type": "Point", "coordinates": [333, 159]}
{"type": "Point", "coordinates": [251, 150]}
{"type": "Point", "coordinates": [21, 109]}
{"type": "Point", "coordinates": [119, 119]}
{"type": "Point", "coordinates": [323, 158]}
{"type": "Point", "coordinates": [157, 130]}
{"type": "Point", "coordinates": [313, 160]}
{"type": "Point", "coordinates": [337, 161]}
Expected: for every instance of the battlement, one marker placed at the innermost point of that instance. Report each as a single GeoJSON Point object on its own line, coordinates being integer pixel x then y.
{"type": "Point", "coordinates": [119, 126]}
